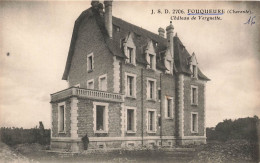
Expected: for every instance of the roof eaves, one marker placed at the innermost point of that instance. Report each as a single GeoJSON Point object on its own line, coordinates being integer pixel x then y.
{"type": "Point", "coordinates": [202, 76]}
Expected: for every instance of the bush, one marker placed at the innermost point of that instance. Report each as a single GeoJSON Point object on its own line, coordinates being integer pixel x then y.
{"type": "Point", "coordinates": [242, 128]}
{"type": "Point", "coordinates": [13, 136]}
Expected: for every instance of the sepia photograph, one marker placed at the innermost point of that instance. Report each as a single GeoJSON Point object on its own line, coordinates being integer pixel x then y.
{"type": "Point", "coordinates": [129, 81]}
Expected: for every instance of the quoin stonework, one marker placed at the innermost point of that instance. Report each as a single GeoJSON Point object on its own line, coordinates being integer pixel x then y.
{"type": "Point", "coordinates": [127, 87]}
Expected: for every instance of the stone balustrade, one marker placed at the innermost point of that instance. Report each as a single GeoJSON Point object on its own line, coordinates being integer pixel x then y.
{"type": "Point", "coordinates": [86, 93]}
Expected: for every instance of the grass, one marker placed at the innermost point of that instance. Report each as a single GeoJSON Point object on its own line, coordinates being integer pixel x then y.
{"type": "Point", "coordinates": [231, 151]}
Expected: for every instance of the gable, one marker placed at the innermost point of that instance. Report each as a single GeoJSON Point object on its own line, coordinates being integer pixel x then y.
{"type": "Point", "coordinates": [130, 41]}
{"type": "Point", "coordinates": [168, 54]}
{"type": "Point", "coordinates": [193, 59]}
{"type": "Point", "coordinates": [150, 47]}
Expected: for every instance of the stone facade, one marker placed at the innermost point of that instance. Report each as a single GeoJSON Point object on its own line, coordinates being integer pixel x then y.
{"type": "Point", "coordinates": [167, 106]}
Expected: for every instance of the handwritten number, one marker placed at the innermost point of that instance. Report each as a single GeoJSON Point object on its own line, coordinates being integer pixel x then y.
{"type": "Point", "coordinates": [250, 21]}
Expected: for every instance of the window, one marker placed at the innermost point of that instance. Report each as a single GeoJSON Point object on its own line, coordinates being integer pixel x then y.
{"type": "Point", "coordinates": [151, 124]}
{"type": "Point", "coordinates": [117, 29]}
{"type": "Point", "coordinates": [194, 122]}
{"type": "Point", "coordinates": [100, 113]}
{"type": "Point", "coordinates": [101, 145]}
{"type": "Point", "coordinates": [194, 95]}
{"type": "Point", "coordinates": [151, 89]}
{"type": "Point", "coordinates": [150, 120]}
{"type": "Point", "coordinates": [194, 71]}
{"type": "Point", "coordinates": [130, 85]}
{"type": "Point", "coordinates": [169, 107]}
{"type": "Point", "coordinates": [150, 55]}
{"type": "Point", "coordinates": [131, 119]}
{"type": "Point", "coordinates": [61, 117]}
{"type": "Point", "coordinates": [193, 66]}
{"type": "Point", "coordinates": [130, 55]}
{"type": "Point", "coordinates": [132, 144]}
{"type": "Point", "coordinates": [90, 84]}
{"type": "Point", "coordinates": [168, 66]}
{"type": "Point", "coordinates": [151, 61]}
{"type": "Point", "coordinates": [130, 49]}
{"type": "Point", "coordinates": [103, 82]}
{"type": "Point", "coordinates": [100, 118]}
{"type": "Point", "coordinates": [90, 62]}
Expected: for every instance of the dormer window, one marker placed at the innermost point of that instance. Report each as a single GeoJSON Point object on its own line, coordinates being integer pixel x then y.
{"type": "Point", "coordinates": [151, 61]}
{"type": "Point", "coordinates": [194, 74]}
{"type": "Point", "coordinates": [130, 49]}
{"type": "Point", "coordinates": [168, 61]}
{"type": "Point", "coordinates": [193, 66]}
{"type": "Point", "coordinates": [116, 28]}
{"type": "Point", "coordinates": [130, 55]}
{"type": "Point", "coordinates": [150, 55]}
{"type": "Point", "coordinates": [168, 66]}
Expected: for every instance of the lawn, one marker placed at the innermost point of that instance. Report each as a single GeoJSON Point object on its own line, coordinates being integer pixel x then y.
{"type": "Point", "coordinates": [231, 151]}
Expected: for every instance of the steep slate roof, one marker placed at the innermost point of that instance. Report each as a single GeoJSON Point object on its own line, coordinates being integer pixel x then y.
{"type": "Point", "coordinates": [141, 38]}
{"type": "Point", "coordinates": [181, 56]}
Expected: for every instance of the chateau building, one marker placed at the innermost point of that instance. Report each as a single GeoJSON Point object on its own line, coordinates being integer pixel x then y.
{"type": "Point", "coordinates": [127, 87]}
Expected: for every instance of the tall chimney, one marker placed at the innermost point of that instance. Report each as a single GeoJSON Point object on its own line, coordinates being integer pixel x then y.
{"type": "Point", "coordinates": [169, 31]}
{"type": "Point", "coordinates": [108, 17]}
{"type": "Point", "coordinates": [94, 4]}
{"type": "Point", "coordinates": [161, 32]}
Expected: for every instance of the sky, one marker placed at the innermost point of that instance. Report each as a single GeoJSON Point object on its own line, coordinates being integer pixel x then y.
{"type": "Point", "coordinates": [37, 36]}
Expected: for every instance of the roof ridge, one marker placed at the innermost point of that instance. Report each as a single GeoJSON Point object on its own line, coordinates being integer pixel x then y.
{"type": "Point", "coordinates": [156, 35]}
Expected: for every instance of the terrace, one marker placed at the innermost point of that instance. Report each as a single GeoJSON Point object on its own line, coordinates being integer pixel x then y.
{"type": "Point", "coordinates": [86, 93]}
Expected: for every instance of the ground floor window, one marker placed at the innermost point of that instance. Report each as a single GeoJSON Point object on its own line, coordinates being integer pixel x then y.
{"type": "Point", "coordinates": [194, 122]}
{"type": "Point", "coordinates": [100, 111]}
{"type": "Point", "coordinates": [151, 117]}
{"type": "Point", "coordinates": [168, 107]}
{"type": "Point", "coordinates": [100, 117]}
{"type": "Point", "coordinates": [61, 117]}
{"type": "Point", "coordinates": [131, 119]}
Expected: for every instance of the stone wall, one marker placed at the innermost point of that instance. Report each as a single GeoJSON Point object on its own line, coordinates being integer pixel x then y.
{"type": "Point", "coordinates": [189, 108]}
{"type": "Point", "coordinates": [54, 131]}
{"type": "Point", "coordinates": [91, 42]}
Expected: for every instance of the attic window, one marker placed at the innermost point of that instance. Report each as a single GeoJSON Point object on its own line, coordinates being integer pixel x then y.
{"type": "Point", "coordinates": [194, 71]}
{"type": "Point", "coordinates": [137, 35]}
{"type": "Point", "coordinates": [118, 29]}
{"type": "Point", "coordinates": [168, 66]}
{"type": "Point", "coordinates": [130, 49]}
{"type": "Point", "coordinates": [90, 62]}
{"type": "Point", "coordinates": [130, 55]}
{"type": "Point", "coordinates": [151, 61]}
